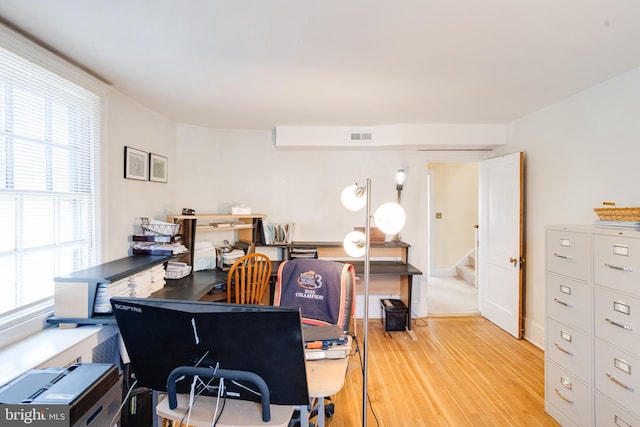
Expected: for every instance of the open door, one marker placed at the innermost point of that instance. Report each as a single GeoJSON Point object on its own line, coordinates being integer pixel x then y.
{"type": "Point", "coordinates": [501, 241]}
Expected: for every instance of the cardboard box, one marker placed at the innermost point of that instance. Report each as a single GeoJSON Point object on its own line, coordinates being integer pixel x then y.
{"type": "Point", "coordinates": [240, 210]}
{"type": "Point", "coordinates": [375, 235]}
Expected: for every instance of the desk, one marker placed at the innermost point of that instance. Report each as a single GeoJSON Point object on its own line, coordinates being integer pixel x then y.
{"type": "Point", "coordinates": [198, 284]}
{"type": "Point", "coordinates": [194, 286]}
{"type": "Point", "coordinates": [388, 259]}
{"type": "Point", "coordinates": [393, 268]}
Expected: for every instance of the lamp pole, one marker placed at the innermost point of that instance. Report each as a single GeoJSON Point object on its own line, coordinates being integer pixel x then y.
{"type": "Point", "coordinates": [396, 238]}
{"type": "Point", "coordinates": [365, 353]}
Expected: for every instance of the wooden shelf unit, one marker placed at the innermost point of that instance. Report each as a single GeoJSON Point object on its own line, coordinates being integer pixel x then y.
{"type": "Point", "coordinates": [244, 226]}
{"type": "Point", "coordinates": [387, 251]}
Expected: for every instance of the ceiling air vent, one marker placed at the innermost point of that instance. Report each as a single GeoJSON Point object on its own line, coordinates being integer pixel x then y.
{"type": "Point", "coordinates": [361, 136]}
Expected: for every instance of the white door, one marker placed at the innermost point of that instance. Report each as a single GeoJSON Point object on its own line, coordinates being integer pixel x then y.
{"type": "Point", "coordinates": [501, 238]}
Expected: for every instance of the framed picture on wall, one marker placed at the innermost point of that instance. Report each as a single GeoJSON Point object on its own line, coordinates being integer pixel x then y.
{"type": "Point", "coordinates": [157, 168]}
{"type": "Point", "coordinates": [135, 164]}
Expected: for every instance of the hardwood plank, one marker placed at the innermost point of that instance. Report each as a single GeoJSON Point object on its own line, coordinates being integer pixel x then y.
{"type": "Point", "coordinates": [461, 371]}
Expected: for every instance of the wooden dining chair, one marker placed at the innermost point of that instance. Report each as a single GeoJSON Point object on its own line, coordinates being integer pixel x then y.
{"type": "Point", "coordinates": [248, 279]}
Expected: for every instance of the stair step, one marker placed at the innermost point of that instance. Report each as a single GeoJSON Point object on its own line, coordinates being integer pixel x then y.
{"type": "Point", "coordinates": [467, 273]}
{"type": "Point", "coordinates": [472, 260]}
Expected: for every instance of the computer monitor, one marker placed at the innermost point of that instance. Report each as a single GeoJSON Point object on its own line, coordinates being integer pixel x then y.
{"type": "Point", "coordinates": [161, 335]}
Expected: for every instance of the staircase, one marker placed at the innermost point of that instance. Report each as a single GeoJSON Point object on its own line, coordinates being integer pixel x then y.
{"type": "Point", "coordinates": [467, 272]}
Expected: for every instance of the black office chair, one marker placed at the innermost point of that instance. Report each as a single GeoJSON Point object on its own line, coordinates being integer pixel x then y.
{"type": "Point", "coordinates": [325, 293]}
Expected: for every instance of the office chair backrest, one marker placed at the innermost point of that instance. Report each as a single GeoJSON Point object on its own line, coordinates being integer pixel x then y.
{"type": "Point", "coordinates": [248, 279]}
{"type": "Point", "coordinates": [323, 290]}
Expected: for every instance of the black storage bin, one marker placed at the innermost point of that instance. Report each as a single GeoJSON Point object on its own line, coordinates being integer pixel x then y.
{"type": "Point", "coordinates": [394, 314]}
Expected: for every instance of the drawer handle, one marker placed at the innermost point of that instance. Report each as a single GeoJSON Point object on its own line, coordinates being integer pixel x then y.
{"type": "Point", "coordinates": [563, 256]}
{"type": "Point", "coordinates": [566, 304]}
{"type": "Point", "coordinates": [617, 267]}
{"type": "Point", "coordinates": [617, 381]}
{"type": "Point", "coordinates": [563, 397]}
{"type": "Point", "coordinates": [619, 325]}
{"type": "Point", "coordinates": [617, 420]}
{"type": "Point", "coordinates": [563, 349]}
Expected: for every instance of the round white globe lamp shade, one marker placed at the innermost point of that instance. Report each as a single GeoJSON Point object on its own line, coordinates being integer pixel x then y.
{"type": "Point", "coordinates": [354, 244]}
{"type": "Point", "coordinates": [353, 198]}
{"type": "Point", "coordinates": [390, 218]}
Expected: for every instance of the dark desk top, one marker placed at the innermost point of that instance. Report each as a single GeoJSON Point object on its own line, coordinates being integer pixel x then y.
{"type": "Point", "coordinates": [115, 270]}
{"type": "Point", "coordinates": [199, 283]}
{"type": "Point", "coordinates": [193, 287]}
{"type": "Point", "coordinates": [386, 268]}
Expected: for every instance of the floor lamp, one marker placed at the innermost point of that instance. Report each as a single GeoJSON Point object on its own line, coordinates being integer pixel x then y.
{"type": "Point", "coordinates": [389, 218]}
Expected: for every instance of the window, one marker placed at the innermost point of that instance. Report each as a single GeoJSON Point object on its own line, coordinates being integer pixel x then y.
{"type": "Point", "coordinates": [50, 131]}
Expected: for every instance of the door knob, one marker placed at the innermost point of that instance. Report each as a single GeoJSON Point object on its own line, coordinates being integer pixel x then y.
{"type": "Point", "coordinates": [513, 261]}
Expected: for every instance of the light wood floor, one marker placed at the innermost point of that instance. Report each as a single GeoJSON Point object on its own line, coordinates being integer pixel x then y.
{"type": "Point", "coordinates": [461, 371]}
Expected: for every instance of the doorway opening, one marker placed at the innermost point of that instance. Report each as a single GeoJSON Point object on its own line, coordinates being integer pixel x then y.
{"type": "Point", "coordinates": [452, 223]}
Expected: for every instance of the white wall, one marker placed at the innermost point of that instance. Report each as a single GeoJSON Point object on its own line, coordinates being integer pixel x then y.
{"type": "Point", "coordinates": [578, 153]}
{"type": "Point", "coordinates": [455, 196]}
{"type": "Point", "coordinates": [226, 167]}
{"type": "Point", "coordinates": [130, 124]}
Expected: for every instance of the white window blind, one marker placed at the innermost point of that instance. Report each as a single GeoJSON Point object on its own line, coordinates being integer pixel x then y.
{"type": "Point", "coordinates": [50, 131]}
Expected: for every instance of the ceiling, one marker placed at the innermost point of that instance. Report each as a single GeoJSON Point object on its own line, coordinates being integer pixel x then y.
{"type": "Point", "coordinates": [257, 64]}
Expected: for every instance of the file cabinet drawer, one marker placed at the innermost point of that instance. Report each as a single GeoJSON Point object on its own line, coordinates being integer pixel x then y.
{"type": "Point", "coordinates": [568, 347]}
{"type": "Point", "coordinates": [617, 375]}
{"type": "Point", "coordinates": [617, 263]}
{"type": "Point", "coordinates": [568, 301]}
{"type": "Point", "coordinates": [617, 318]}
{"type": "Point", "coordinates": [568, 394]}
{"type": "Point", "coordinates": [568, 253]}
{"type": "Point", "coordinates": [610, 414]}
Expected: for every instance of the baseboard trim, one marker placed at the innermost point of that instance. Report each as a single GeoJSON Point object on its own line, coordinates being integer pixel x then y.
{"type": "Point", "coordinates": [534, 333]}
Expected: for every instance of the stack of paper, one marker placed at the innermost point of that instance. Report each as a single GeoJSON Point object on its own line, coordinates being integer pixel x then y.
{"type": "Point", "coordinates": [157, 278]}
{"type": "Point", "coordinates": [177, 270]}
{"type": "Point", "coordinates": [106, 291]}
{"type": "Point", "coordinates": [154, 248]}
{"type": "Point", "coordinates": [228, 258]}
{"type": "Point", "coordinates": [139, 284]}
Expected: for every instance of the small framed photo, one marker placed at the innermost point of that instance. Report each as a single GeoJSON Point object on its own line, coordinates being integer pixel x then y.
{"type": "Point", "coordinates": [157, 168]}
{"type": "Point", "coordinates": [135, 164]}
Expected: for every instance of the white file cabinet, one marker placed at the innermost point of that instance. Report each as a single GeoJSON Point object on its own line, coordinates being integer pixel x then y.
{"type": "Point", "coordinates": [568, 332]}
{"type": "Point", "coordinates": [592, 358]}
{"type": "Point", "coordinates": [616, 277]}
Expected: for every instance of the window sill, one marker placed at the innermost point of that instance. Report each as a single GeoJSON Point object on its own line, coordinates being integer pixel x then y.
{"type": "Point", "coordinates": [53, 347]}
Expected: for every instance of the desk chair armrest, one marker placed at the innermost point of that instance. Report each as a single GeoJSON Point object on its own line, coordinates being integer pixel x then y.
{"type": "Point", "coordinates": [220, 373]}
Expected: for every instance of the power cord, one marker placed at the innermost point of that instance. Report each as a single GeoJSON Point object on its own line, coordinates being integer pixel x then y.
{"type": "Point", "coordinates": [193, 395]}
{"type": "Point", "coordinates": [124, 401]}
{"type": "Point", "coordinates": [355, 339]}
{"type": "Point", "coordinates": [416, 318]}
